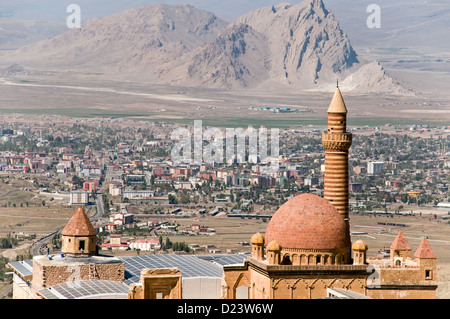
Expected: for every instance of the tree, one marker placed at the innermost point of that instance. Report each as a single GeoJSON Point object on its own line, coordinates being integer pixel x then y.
{"type": "Point", "coordinates": [172, 199]}
{"type": "Point", "coordinates": [8, 242]}
{"type": "Point", "coordinates": [168, 243]}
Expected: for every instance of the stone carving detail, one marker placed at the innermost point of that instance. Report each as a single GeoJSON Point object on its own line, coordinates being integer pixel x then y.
{"type": "Point", "coordinates": [337, 142]}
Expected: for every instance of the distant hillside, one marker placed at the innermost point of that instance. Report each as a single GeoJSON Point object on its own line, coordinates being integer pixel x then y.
{"type": "Point", "coordinates": [139, 38]}
{"type": "Point", "coordinates": [55, 10]}
{"type": "Point", "coordinates": [299, 45]}
{"type": "Point", "coordinates": [17, 33]}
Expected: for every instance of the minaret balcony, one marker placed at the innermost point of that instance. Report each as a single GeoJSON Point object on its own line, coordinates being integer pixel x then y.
{"type": "Point", "coordinates": [337, 141]}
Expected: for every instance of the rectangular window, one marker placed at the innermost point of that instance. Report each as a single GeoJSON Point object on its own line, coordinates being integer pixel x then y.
{"type": "Point", "coordinates": [159, 295]}
{"type": "Point", "coordinates": [428, 274]}
{"type": "Point", "coordinates": [81, 245]}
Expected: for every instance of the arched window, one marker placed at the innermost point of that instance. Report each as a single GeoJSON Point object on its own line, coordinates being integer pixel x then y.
{"type": "Point", "coordinates": [242, 292]}
{"type": "Point", "coordinates": [303, 260]}
{"type": "Point", "coordinates": [286, 260]}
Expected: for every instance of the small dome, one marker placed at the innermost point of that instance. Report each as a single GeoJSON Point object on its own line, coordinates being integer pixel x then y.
{"type": "Point", "coordinates": [257, 239]}
{"type": "Point", "coordinates": [273, 246]}
{"type": "Point", "coordinates": [359, 245]}
{"type": "Point", "coordinates": [308, 221]}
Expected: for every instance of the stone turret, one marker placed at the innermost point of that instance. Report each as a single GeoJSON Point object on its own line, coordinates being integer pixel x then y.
{"type": "Point", "coordinates": [426, 260]}
{"type": "Point", "coordinates": [257, 242]}
{"type": "Point", "coordinates": [359, 252]}
{"type": "Point", "coordinates": [79, 237]}
{"type": "Point", "coordinates": [400, 250]}
{"type": "Point", "coordinates": [273, 253]}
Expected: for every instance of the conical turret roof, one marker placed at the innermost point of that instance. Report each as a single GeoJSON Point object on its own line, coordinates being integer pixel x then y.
{"type": "Point", "coordinates": [79, 225]}
{"type": "Point", "coordinates": [424, 250]}
{"type": "Point", "coordinates": [337, 104]}
{"type": "Point", "coordinates": [400, 242]}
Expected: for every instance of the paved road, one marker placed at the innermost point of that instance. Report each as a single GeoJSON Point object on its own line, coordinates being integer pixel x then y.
{"type": "Point", "coordinates": [36, 250]}
{"type": "Point", "coordinates": [43, 241]}
{"type": "Point", "coordinates": [5, 291]}
{"type": "Point", "coordinates": [100, 209]}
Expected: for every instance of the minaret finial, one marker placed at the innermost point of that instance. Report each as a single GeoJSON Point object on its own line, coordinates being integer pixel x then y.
{"type": "Point", "coordinates": [337, 83]}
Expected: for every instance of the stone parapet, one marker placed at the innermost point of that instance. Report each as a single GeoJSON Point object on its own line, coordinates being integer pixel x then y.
{"type": "Point", "coordinates": [308, 270]}
{"type": "Point", "coordinates": [49, 272]}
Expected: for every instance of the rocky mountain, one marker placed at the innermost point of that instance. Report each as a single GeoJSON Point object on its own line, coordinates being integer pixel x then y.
{"type": "Point", "coordinates": [139, 38]}
{"type": "Point", "coordinates": [308, 44]}
{"type": "Point", "coordinates": [287, 44]}
{"type": "Point", "coordinates": [237, 58]}
{"type": "Point", "coordinates": [380, 82]}
{"type": "Point", "coordinates": [299, 45]}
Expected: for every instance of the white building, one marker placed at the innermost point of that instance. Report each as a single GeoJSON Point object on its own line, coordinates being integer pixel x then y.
{"type": "Point", "coordinates": [115, 189]}
{"type": "Point", "coordinates": [145, 244]}
{"type": "Point", "coordinates": [79, 198]}
{"type": "Point", "coordinates": [310, 181]}
{"type": "Point", "coordinates": [137, 193]}
{"type": "Point", "coordinates": [374, 168]}
{"type": "Point", "coordinates": [183, 185]}
{"type": "Point", "coordinates": [122, 219]}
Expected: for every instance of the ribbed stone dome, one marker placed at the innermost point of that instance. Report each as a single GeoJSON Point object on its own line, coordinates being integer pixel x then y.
{"type": "Point", "coordinates": [257, 239]}
{"type": "Point", "coordinates": [359, 245]}
{"type": "Point", "coordinates": [273, 246]}
{"type": "Point", "coordinates": [308, 221]}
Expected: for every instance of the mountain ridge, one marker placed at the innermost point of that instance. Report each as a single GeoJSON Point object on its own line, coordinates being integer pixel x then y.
{"type": "Point", "coordinates": [298, 45]}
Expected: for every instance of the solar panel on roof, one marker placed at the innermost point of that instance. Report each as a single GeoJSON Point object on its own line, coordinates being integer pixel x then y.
{"type": "Point", "coordinates": [83, 289]}
{"type": "Point", "coordinates": [189, 266]}
{"type": "Point", "coordinates": [225, 259]}
{"type": "Point", "coordinates": [24, 268]}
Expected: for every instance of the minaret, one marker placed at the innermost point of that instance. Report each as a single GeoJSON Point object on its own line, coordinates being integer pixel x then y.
{"type": "Point", "coordinates": [337, 143]}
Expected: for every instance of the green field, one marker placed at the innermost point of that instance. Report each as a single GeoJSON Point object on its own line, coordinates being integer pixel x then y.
{"type": "Point", "coordinates": [275, 121]}
{"type": "Point", "coordinates": [80, 113]}
{"type": "Point", "coordinates": [292, 122]}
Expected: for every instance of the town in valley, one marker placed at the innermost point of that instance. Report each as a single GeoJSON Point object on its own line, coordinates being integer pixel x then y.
{"type": "Point", "coordinates": [142, 203]}
{"type": "Point", "coordinates": [166, 145]}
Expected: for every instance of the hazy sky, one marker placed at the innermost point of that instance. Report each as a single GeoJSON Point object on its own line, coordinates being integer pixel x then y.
{"type": "Point", "coordinates": [56, 9]}
{"type": "Point", "coordinates": [404, 23]}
